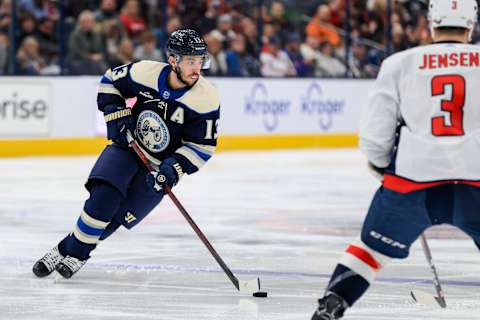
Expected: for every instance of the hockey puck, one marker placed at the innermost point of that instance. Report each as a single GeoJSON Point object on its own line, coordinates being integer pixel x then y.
{"type": "Point", "coordinates": [260, 294]}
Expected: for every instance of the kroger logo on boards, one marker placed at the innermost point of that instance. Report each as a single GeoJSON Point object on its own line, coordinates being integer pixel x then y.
{"type": "Point", "coordinates": [313, 103]}
{"type": "Point", "coordinates": [259, 104]}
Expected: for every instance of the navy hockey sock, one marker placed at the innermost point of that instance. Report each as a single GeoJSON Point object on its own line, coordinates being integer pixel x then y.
{"type": "Point", "coordinates": [347, 284]}
{"type": "Point", "coordinates": [99, 210]}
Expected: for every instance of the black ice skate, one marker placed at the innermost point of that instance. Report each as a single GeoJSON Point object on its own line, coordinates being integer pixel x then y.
{"type": "Point", "coordinates": [69, 266]}
{"type": "Point", "coordinates": [47, 264]}
{"type": "Point", "coordinates": [330, 307]}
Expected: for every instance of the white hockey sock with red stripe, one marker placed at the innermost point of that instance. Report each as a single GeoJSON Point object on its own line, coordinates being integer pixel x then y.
{"type": "Point", "coordinates": [363, 260]}
{"type": "Point", "coordinates": [356, 270]}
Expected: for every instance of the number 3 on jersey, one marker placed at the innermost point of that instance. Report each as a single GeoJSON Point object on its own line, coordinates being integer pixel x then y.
{"type": "Point", "coordinates": [454, 106]}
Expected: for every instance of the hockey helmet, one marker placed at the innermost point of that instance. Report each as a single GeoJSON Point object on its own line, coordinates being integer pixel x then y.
{"type": "Point", "coordinates": [453, 13]}
{"type": "Point", "coordinates": [187, 42]}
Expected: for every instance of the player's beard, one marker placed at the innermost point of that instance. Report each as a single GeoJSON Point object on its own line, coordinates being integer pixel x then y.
{"type": "Point", "coordinates": [180, 77]}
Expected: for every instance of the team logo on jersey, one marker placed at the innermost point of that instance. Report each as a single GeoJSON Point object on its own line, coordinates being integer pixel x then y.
{"type": "Point", "coordinates": [152, 131]}
{"type": "Point", "coordinates": [166, 94]}
{"type": "Point", "coordinates": [314, 103]}
{"type": "Point", "coordinates": [259, 104]}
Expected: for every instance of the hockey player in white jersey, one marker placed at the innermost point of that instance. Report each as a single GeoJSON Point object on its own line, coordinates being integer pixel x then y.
{"type": "Point", "coordinates": [421, 134]}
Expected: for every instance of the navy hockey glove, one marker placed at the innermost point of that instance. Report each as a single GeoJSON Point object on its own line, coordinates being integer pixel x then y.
{"type": "Point", "coordinates": [118, 120]}
{"type": "Point", "coordinates": [168, 174]}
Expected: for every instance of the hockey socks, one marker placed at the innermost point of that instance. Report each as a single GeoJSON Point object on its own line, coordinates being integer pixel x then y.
{"type": "Point", "coordinates": [93, 223]}
{"type": "Point", "coordinates": [356, 271]}
{"type": "Point", "coordinates": [347, 284]}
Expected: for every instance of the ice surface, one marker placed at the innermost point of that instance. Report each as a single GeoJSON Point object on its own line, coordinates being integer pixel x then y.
{"type": "Point", "coordinates": [283, 216]}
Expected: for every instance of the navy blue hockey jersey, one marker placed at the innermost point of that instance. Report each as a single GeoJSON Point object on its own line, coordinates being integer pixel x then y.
{"type": "Point", "coordinates": [179, 123]}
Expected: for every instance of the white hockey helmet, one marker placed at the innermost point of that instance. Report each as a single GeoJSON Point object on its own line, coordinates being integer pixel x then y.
{"type": "Point", "coordinates": [453, 13]}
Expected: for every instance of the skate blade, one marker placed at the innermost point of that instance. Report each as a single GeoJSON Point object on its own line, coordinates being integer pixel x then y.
{"type": "Point", "coordinates": [427, 298]}
{"type": "Point", "coordinates": [58, 278]}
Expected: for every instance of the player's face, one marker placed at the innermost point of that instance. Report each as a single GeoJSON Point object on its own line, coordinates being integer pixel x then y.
{"type": "Point", "coordinates": [189, 69]}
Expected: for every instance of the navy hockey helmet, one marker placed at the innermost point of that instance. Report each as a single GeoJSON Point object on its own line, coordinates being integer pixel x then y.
{"type": "Point", "coordinates": [187, 42]}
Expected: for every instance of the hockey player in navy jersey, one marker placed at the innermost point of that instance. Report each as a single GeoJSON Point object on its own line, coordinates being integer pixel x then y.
{"type": "Point", "coordinates": [174, 121]}
{"type": "Point", "coordinates": [420, 131]}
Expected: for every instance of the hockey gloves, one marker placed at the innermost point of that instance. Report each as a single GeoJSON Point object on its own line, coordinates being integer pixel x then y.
{"type": "Point", "coordinates": [119, 120]}
{"type": "Point", "coordinates": [168, 174]}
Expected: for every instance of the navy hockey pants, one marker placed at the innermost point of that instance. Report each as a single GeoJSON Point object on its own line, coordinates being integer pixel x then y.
{"type": "Point", "coordinates": [121, 168]}
{"type": "Point", "coordinates": [395, 220]}
{"type": "Point", "coordinates": [119, 195]}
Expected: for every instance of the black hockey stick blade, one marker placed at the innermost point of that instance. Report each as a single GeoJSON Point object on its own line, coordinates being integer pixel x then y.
{"type": "Point", "coordinates": [427, 298]}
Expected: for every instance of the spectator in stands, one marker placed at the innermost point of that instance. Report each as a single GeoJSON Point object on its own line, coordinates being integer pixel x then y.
{"type": "Point", "coordinates": [374, 30]}
{"type": "Point", "coordinates": [321, 28]}
{"type": "Point", "coordinates": [278, 18]}
{"type": "Point", "coordinates": [328, 64]}
{"type": "Point", "coordinates": [124, 54]}
{"type": "Point", "coordinates": [107, 13]}
{"type": "Point", "coordinates": [269, 31]}
{"type": "Point", "coordinates": [35, 8]}
{"type": "Point", "coordinates": [147, 50]}
{"type": "Point", "coordinates": [337, 10]}
{"type": "Point", "coordinates": [224, 30]}
{"type": "Point", "coordinates": [29, 61]}
{"type": "Point", "coordinates": [27, 27]}
{"type": "Point", "coordinates": [112, 37]}
{"type": "Point", "coordinates": [191, 11]}
{"type": "Point", "coordinates": [274, 61]}
{"type": "Point", "coordinates": [46, 36]}
{"type": "Point", "coordinates": [239, 62]}
{"type": "Point", "coordinates": [398, 37]}
{"type": "Point", "coordinates": [293, 50]}
{"type": "Point", "coordinates": [73, 8]}
{"type": "Point", "coordinates": [132, 19]}
{"type": "Point", "coordinates": [249, 30]}
{"type": "Point", "coordinates": [310, 52]}
{"type": "Point", "coordinates": [86, 47]}
{"type": "Point", "coordinates": [173, 23]}
{"type": "Point", "coordinates": [218, 58]}
{"type": "Point", "coordinates": [5, 12]}
{"type": "Point", "coordinates": [322, 57]}
{"type": "Point", "coordinates": [4, 46]}
{"type": "Point", "coordinates": [209, 20]}
{"type": "Point", "coordinates": [360, 66]}
{"type": "Point", "coordinates": [418, 33]}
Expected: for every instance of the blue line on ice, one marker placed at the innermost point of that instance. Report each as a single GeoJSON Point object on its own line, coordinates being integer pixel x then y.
{"type": "Point", "coordinates": [288, 274]}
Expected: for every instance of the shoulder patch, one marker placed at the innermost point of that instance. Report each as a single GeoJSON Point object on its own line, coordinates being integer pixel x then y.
{"type": "Point", "coordinates": [202, 97]}
{"type": "Point", "coordinates": [146, 73]}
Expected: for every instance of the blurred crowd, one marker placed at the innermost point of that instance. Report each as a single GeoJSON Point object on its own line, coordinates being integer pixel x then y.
{"type": "Point", "coordinates": [281, 38]}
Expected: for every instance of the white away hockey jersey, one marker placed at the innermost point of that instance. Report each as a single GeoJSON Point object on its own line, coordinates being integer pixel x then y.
{"type": "Point", "coordinates": [422, 120]}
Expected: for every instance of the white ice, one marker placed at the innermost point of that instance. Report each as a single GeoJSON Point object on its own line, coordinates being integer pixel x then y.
{"type": "Point", "coordinates": [283, 216]}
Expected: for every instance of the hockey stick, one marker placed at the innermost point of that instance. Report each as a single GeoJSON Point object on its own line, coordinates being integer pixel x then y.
{"type": "Point", "coordinates": [424, 297]}
{"type": "Point", "coordinates": [248, 287]}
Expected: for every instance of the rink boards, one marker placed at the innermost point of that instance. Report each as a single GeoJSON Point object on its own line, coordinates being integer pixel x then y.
{"type": "Point", "coordinates": [58, 115]}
